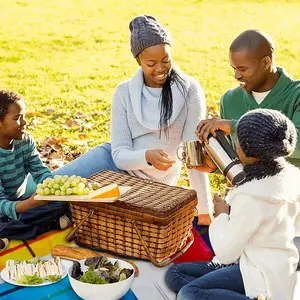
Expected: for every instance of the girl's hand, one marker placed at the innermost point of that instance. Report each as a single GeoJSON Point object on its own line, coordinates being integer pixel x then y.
{"type": "Point", "coordinates": [220, 205]}
{"type": "Point", "coordinates": [204, 219]}
{"type": "Point", "coordinates": [159, 159]}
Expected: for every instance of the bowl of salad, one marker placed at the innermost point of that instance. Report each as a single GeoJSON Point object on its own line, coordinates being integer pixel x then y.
{"type": "Point", "coordinates": [91, 277]}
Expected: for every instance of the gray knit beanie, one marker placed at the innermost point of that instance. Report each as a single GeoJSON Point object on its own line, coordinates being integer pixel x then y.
{"type": "Point", "coordinates": [266, 134]}
{"type": "Point", "coordinates": [146, 32]}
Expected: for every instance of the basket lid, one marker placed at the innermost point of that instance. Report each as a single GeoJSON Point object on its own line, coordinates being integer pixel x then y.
{"type": "Point", "coordinates": [146, 196]}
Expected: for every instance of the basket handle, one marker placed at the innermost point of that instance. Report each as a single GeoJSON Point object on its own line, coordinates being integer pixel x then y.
{"type": "Point", "coordinates": [167, 261]}
{"type": "Point", "coordinates": [70, 236]}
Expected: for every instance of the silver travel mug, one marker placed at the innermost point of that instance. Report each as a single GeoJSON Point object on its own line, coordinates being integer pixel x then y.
{"type": "Point", "coordinates": [193, 154]}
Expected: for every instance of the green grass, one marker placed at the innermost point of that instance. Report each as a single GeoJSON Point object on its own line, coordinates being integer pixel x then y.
{"type": "Point", "coordinates": [68, 55]}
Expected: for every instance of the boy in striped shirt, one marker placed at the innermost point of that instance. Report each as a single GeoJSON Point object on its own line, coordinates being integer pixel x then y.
{"type": "Point", "coordinates": [21, 217]}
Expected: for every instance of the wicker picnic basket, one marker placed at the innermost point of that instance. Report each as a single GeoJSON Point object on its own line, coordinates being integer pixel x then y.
{"type": "Point", "coordinates": [151, 221]}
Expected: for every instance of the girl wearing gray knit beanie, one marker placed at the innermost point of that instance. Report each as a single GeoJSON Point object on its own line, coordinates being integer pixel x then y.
{"type": "Point", "coordinates": [253, 240]}
{"type": "Point", "coordinates": [152, 114]}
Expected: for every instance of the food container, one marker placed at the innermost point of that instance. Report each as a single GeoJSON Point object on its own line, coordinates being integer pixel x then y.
{"type": "Point", "coordinates": [151, 221]}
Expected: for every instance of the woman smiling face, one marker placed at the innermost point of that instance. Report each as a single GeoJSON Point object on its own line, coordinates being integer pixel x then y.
{"type": "Point", "coordinates": [156, 62]}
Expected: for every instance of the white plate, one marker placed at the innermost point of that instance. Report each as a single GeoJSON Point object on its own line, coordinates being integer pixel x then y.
{"type": "Point", "coordinates": [86, 198]}
{"type": "Point", "coordinates": [4, 275]}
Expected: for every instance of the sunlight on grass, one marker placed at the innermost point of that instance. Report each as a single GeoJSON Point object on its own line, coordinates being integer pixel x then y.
{"type": "Point", "coordinates": [69, 55]}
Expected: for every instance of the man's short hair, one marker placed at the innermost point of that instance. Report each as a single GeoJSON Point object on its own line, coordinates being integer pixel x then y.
{"type": "Point", "coordinates": [253, 40]}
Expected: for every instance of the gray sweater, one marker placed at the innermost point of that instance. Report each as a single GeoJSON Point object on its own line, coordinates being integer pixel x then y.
{"type": "Point", "coordinates": [135, 129]}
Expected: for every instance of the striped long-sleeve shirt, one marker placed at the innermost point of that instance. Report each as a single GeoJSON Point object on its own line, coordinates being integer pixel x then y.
{"type": "Point", "coordinates": [15, 165]}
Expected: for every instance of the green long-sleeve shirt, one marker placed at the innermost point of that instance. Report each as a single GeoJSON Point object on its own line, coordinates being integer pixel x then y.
{"type": "Point", "coordinates": [284, 96]}
{"type": "Point", "coordinates": [15, 165]}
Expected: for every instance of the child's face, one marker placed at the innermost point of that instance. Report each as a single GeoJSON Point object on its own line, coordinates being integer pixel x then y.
{"type": "Point", "coordinates": [14, 123]}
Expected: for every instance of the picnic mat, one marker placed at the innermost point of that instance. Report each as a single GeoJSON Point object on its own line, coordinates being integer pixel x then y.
{"type": "Point", "coordinates": [148, 285]}
{"type": "Point", "coordinates": [61, 290]}
{"type": "Point", "coordinates": [41, 246]}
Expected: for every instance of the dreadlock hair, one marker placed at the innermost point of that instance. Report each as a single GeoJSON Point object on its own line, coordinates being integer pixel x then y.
{"type": "Point", "coordinates": [166, 100]}
{"type": "Point", "coordinates": [7, 98]}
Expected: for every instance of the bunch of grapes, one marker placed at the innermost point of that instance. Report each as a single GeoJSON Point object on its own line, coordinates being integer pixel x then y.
{"type": "Point", "coordinates": [65, 186]}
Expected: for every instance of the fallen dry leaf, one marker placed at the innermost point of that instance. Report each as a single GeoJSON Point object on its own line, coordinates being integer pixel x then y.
{"type": "Point", "coordinates": [82, 136]}
{"type": "Point", "coordinates": [79, 115]}
{"type": "Point", "coordinates": [50, 111]}
{"type": "Point", "coordinates": [75, 122]}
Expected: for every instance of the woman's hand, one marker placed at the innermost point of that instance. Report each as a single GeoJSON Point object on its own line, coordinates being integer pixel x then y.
{"type": "Point", "coordinates": [159, 159]}
{"type": "Point", "coordinates": [220, 206]}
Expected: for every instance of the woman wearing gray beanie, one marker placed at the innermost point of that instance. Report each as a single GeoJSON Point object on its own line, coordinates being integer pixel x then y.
{"type": "Point", "coordinates": [153, 113]}
{"type": "Point", "coordinates": [253, 243]}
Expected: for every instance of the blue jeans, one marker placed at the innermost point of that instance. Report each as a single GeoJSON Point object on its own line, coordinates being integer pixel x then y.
{"type": "Point", "coordinates": [33, 222]}
{"type": "Point", "coordinates": [206, 280]}
{"type": "Point", "coordinates": [91, 162]}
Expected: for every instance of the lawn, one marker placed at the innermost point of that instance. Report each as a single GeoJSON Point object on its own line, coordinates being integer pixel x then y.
{"type": "Point", "coordinates": [66, 56]}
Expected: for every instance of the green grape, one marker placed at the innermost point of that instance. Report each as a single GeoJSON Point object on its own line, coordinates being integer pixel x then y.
{"type": "Point", "coordinates": [47, 180]}
{"type": "Point", "coordinates": [69, 191]}
{"type": "Point", "coordinates": [67, 184]}
{"type": "Point", "coordinates": [58, 178]}
{"type": "Point", "coordinates": [86, 191]}
{"type": "Point", "coordinates": [65, 178]}
{"type": "Point", "coordinates": [74, 183]}
{"type": "Point", "coordinates": [56, 186]}
{"type": "Point", "coordinates": [81, 185]}
{"type": "Point", "coordinates": [39, 191]}
{"type": "Point", "coordinates": [95, 186]}
{"type": "Point", "coordinates": [84, 180]}
{"type": "Point", "coordinates": [57, 193]}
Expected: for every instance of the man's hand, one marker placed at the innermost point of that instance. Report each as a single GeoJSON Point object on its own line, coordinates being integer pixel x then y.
{"type": "Point", "coordinates": [159, 159]}
{"type": "Point", "coordinates": [205, 127]}
{"type": "Point", "coordinates": [220, 206]}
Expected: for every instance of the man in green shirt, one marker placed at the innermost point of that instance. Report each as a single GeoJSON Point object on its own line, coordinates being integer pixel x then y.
{"type": "Point", "coordinates": [262, 85]}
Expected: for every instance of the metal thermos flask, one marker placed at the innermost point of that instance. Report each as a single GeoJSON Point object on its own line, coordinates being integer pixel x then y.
{"type": "Point", "coordinates": [226, 159]}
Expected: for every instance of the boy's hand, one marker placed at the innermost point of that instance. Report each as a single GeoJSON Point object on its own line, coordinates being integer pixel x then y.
{"type": "Point", "coordinates": [29, 203]}
{"type": "Point", "coordinates": [159, 159]}
{"type": "Point", "coordinates": [36, 203]}
{"type": "Point", "coordinates": [220, 206]}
